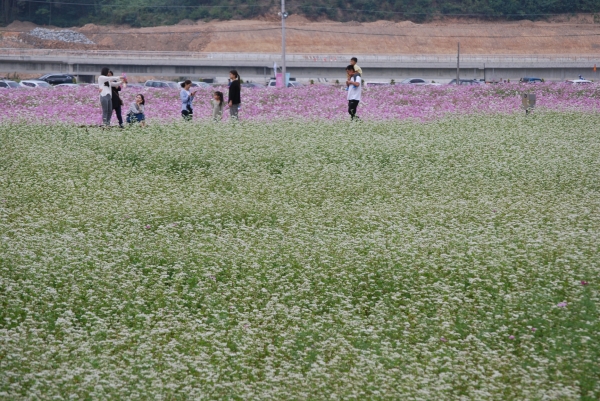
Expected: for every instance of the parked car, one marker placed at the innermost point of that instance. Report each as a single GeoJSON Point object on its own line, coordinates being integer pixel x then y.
{"type": "Point", "coordinates": [371, 83]}
{"type": "Point", "coordinates": [34, 83]}
{"type": "Point", "coordinates": [579, 82]}
{"type": "Point", "coordinates": [67, 86]}
{"type": "Point", "coordinates": [55, 79]}
{"type": "Point", "coordinates": [294, 84]}
{"type": "Point", "coordinates": [413, 81]}
{"type": "Point", "coordinates": [254, 85]}
{"type": "Point", "coordinates": [530, 80]}
{"type": "Point", "coordinates": [273, 83]}
{"type": "Point", "coordinates": [8, 84]}
{"type": "Point", "coordinates": [162, 84]}
{"type": "Point", "coordinates": [197, 84]}
{"type": "Point", "coordinates": [467, 82]}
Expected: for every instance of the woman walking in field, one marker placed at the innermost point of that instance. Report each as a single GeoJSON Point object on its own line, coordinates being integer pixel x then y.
{"type": "Point", "coordinates": [187, 98]}
{"type": "Point", "coordinates": [234, 95]}
{"type": "Point", "coordinates": [104, 86]}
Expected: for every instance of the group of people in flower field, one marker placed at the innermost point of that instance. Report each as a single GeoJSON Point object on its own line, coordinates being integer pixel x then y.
{"type": "Point", "coordinates": [109, 87]}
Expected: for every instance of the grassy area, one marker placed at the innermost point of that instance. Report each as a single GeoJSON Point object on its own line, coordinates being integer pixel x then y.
{"type": "Point", "coordinates": [319, 260]}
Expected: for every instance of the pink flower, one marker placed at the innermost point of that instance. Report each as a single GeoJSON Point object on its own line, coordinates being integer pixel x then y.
{"type": "Point", "coordinates": [511, 337]}
{"type": "Point", "coordinates": [561, 304]}
{"type": "Point", "coordinates": [147, 226]}
{"type": "Point", "coordinates": [424, 103]}
{"type": "Point", "coordinates": [583, 282]}
{"type": "Point", "coordinates": [533, 329]}
{"type": "Point", "coordinates": [174, 224]}
{"type": "Point", "coordinates": [443, 339]}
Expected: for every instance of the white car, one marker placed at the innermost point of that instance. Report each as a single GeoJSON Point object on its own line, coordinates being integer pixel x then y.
{"type": "Point", "coordinates": [291, 84]}
{"type": "Point", "coordinates": [198, 84]}
{"type": "Point", "coordinates": [67, 86]}
{"type": "Point", "coordinates": [32, 83]}
{"type": "Point", "coordinates": [413, 81]}
{"type": "Point", "coordinates": [162, 84]}
{"type": "Point", "coordinates": [579, 82]}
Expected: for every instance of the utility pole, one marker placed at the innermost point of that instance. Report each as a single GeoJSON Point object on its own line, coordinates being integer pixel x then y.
{"type": "Point", "coordinates": [284, 15]}
{"type": "Point", "coordinates": [458, 66]}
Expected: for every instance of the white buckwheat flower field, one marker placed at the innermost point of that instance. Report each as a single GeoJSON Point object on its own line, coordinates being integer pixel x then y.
{"type": "Point", "coordinates": [453, 259]}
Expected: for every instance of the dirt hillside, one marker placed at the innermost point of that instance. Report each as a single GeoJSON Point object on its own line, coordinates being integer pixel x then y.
{"type": "Point", "coordinates": [561, 35]}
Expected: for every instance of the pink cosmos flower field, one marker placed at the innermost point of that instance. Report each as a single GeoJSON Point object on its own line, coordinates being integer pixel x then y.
{"type": "Point", "coordinates": [81, 105]}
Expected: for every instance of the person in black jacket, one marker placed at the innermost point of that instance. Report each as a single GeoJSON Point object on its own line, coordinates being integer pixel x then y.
{"type": "Point", "coordinates": [116, 100]}
{"type": "Point", "coordinates": [234, 95]}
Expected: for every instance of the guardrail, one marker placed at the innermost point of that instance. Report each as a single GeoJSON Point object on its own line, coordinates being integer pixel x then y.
{"type": "Point", "coordinates": [275, 57]}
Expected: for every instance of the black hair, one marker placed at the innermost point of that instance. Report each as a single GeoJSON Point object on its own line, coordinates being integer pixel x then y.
{"type": "Point", "coordinates": [186, 82]}
{"type": "Point", "coordinates": [354, 59]}
{"type": "Point", "coordinates": [234, 72]}
{"type": "Point", "coordinates": [220, 95]}
{"type": "Point", "coordinates": [110, 72]}
{"type": "Point", "coordinates": [105, 72]}
{"type": "Point", "coordinates": [143, 99]}
{"type": "Point", "coordinates": [350, 67]}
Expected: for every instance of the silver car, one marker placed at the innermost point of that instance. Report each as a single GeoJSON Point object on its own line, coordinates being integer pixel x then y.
{"type": "Point", "coordinates": [32, 83]}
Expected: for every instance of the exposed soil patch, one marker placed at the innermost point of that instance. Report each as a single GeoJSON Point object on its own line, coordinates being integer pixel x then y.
{"type": "Point", "coordinates": [559, 35]}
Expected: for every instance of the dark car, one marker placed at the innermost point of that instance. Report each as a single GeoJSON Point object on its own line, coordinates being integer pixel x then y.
{"type": "Point", "coordinates": [55, 79]}
{"type": "Point", "coordinates": [8, 84]}
{"type": "Point", "coordinates": [530, 80]}
{"type": "Point", "coordinates": [254, 85]}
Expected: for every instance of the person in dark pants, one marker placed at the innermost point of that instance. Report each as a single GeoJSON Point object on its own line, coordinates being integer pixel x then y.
{"type": "Point", "coordinates": [116, 99]}
{"type": "Point", "coordinates": [187, 97]}
{"type": "Point", "coordinates": [354, 84]}
{"type": "Point", "coordinates": [234, 95]}
{"type": "Point", "coordinates": [104, 87]}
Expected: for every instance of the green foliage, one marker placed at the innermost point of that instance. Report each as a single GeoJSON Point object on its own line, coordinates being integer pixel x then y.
{"type": "Point", "coordinates": [161, 12]}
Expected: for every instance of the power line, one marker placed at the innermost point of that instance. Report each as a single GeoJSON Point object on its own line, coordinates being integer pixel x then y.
{"type": "Point", "coordinates": [165, 33]}
{"type": "Point", "coordinates": [297, 6]}
{"type": "Point", "coordinates": [436, 13]}
{"type": "Point", "coordinates": [135, 6]}
{"type": "Point", "coordinates": [336, 32]}
{"type": "Point", "coordinates": [446, 36]}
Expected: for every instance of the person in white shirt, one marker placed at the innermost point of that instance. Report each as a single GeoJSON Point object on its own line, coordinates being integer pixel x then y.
{"type": "Point", "coordinates": [357, 69]}
{"type": "Point", "coordinates": [104, 86]}
{"type": "Point", "coordinates": [354, 84]}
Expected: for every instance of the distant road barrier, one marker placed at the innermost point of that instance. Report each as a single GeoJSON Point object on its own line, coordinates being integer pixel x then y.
{"type": "Point", "coordinates": [25, 54]}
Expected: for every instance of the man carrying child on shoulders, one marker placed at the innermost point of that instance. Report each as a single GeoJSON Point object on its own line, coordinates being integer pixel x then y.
{"type": "Point", "coordinates": [356, 70]}
{"type": "Point", "coordinates": [354, 84]}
